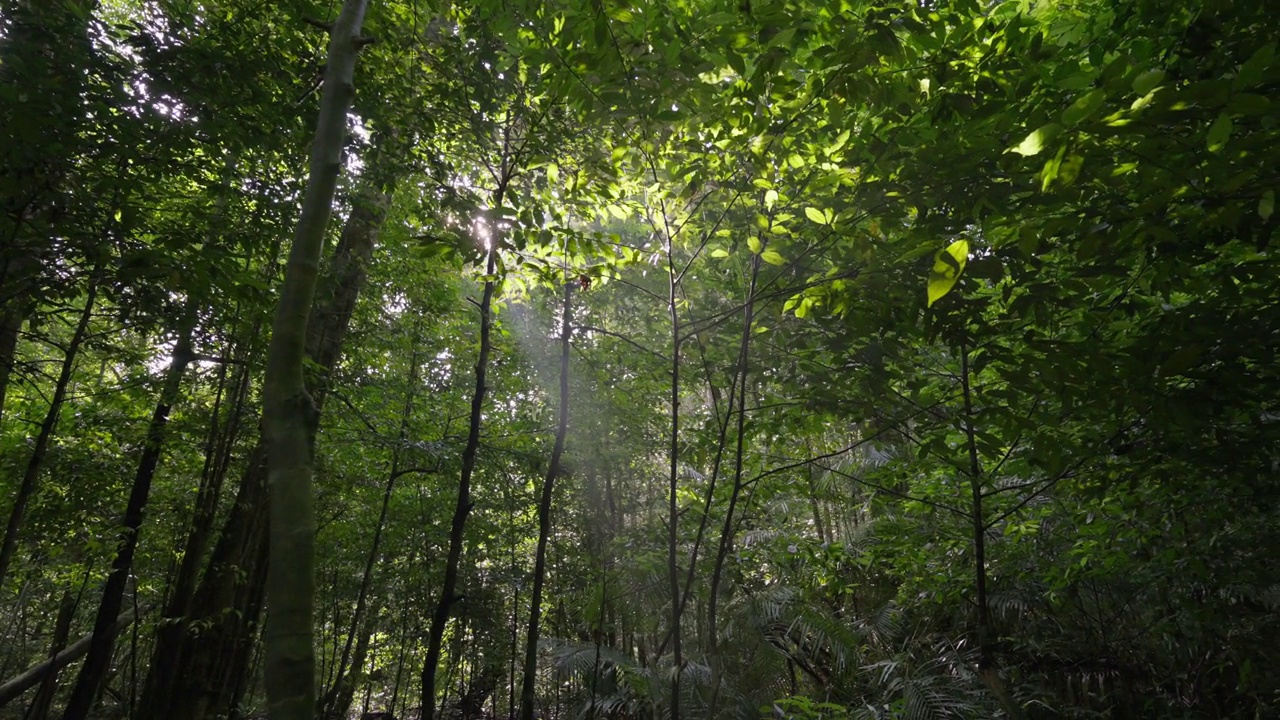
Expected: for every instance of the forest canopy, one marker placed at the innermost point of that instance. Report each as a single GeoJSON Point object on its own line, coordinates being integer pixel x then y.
{"type": "Point", "coordinates": [624, 360]}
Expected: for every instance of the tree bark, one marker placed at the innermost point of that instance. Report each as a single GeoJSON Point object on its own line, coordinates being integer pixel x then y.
{"type": "Point", "coordinates": [726, 532]}
{"type": "Point", "coordinates": [96, 663]}
{"type": "Point", "coordinates": [344, 688]}
{"type": "Point", "coordinates": [462, 508]}
{"type": "Point", "coordinates": [15, 686]}
{"type": "Point", "coordinates": [11, 318]}
{"type": "Point", "coordinates": [35, 462]}
{"type": "Point", "coordinates": [43, 701]}
{"type": "Point", "coordinates": [173, 623]}
{"type": "Point", "coordinates": [338, 700]}
{"type": "Point", "coordinates": [289, 414]}
{"type": "Point", "coordinates": [673, 482]}
{"type": "Point", "coordinates": [228, 598]}
{"type": "Point", "coordinates": [528, 695]}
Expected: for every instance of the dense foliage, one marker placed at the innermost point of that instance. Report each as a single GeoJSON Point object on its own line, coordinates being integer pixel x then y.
{"type": "Point", "coordinates": [764, 358]}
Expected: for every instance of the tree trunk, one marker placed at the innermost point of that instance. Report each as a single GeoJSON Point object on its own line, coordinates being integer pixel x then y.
{"type": "Point", "coordinates": [289, 416]}
{"type": "Point", "coordinates": [174, 618]}
{"type": "Point", "coordinates": [45, 435]}
{"type": "Point", "coordinates": [527, 689]}
{"type": "Point", "coordinates": [47, 52]}
{"type": "Point", "coordinates": [726, 533]}
{"type": "Point", "coordinates": [338, 700]}
{"type": "Point", "coordinates": [96, 663]}
{"type": "Point", "coordinates": [344, 689]}
{"type": "Point", "coordinates": [11, 319]}
{"type": "Point", "coordinates": [40, 704]}
{"type": "Point", "coordinates": [229, 595]}
{"type": "Point", "coordinates": [15, 686]}
{"type": "Point", "coordinates": [673, 482]}
{"type": "Point", "coordinates": [462, 508]}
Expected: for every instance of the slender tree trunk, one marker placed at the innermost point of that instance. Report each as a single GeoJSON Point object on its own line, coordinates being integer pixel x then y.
{"type": "Point", "coordinates": [462, 508]}
{"type": "Point", "coordinates": [673, 484]}
{"type": "Point", "coordinates": [979, 526]}
{"type": "Point", "coordinates": [289, 415]}
{"type": "Point", "coordinates": [528, 695]}
{"type": "Point", "coordinates": [333, 706]}
{"type": "Point", "coordinates": [15, 686]}
{"type": "Point", "coordinates": [45, 435]}
{"type": "Point", "coordinates": [709, 496]}
{"type": "Point", "coordinates": [987, 668]}
{"type": "Point", "coordinates": [40, 704]}
{"type": "Point", "coordinates": [344, 690]}
{"type": "Point", "coordinates": [173, 624]}
{"type": "Point", "coordinates": [726, 532]}
{"type": "Point", "coordinates": [12, 316]}
{"type": "Point", "coordinates": [96, 663]}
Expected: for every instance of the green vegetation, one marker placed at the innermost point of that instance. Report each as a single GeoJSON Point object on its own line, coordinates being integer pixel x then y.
{"type": "Point", "coordinates": [622, 361]}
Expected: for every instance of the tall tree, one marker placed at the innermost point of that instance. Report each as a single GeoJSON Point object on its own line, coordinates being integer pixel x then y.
{"type": "Point", "coordinates": [289, 415]}
{"type": "Point", "coordinates": [528, 686]}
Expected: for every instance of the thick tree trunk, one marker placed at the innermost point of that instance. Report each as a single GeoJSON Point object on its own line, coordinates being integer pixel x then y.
{"type": "Point", "coordinates": [229, 596]}
{"type": "Point", "coordinates": [528, 695]}
{"type": "Point", "coordinates": [98, 660]}
{"type": "Point", "coordinates": [290, 416]}
{"type": "Point", "coordinates": [44, 436]}
{"type": "Point", "coordinates": [462, 508]}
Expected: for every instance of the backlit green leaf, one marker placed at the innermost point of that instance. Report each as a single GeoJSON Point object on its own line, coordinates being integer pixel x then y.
{"type": "Point", "coordinates": [948, 264]}
{"type": "Point", "coordinates": [1147, 81]}
{"type": "Point", "coordinates": [1219, 132]}
{"type": "Point", "coordinates": [1037, 140]}
{"type": "Point", "coordinates": [1082, 108]}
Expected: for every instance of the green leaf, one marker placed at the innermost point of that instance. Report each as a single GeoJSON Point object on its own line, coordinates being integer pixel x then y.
{"type": "Point", "coordinates": [1082, 108]}
{"type": "Point", "coordinates": [815, 215]}
{"type": "Point", "coordinates": [719, 253]}
{"type": "Point", "coordinates": [1147, 81]}
{"type": "Point", "coordinates": [1267, 204]}
{"type": "Point", "coordinates": [770, 199]}
{"type": "Point", "coordinates": [772, 258]}
{"type": "Point", "coordinates": [1254, 70]}
{"type": "Point", "coordinates": [948, 264]}
{"type": "Point", "coordinates": [1036, 141]}
{"type": "Point", "coordinates": [1219, 132]}
{"type": "Point", "coordinates": [841, 139]}
{"type": "Point", "coordinates": [753, 242]}
{"type": "Point", "coordinates": [1249, 104]}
